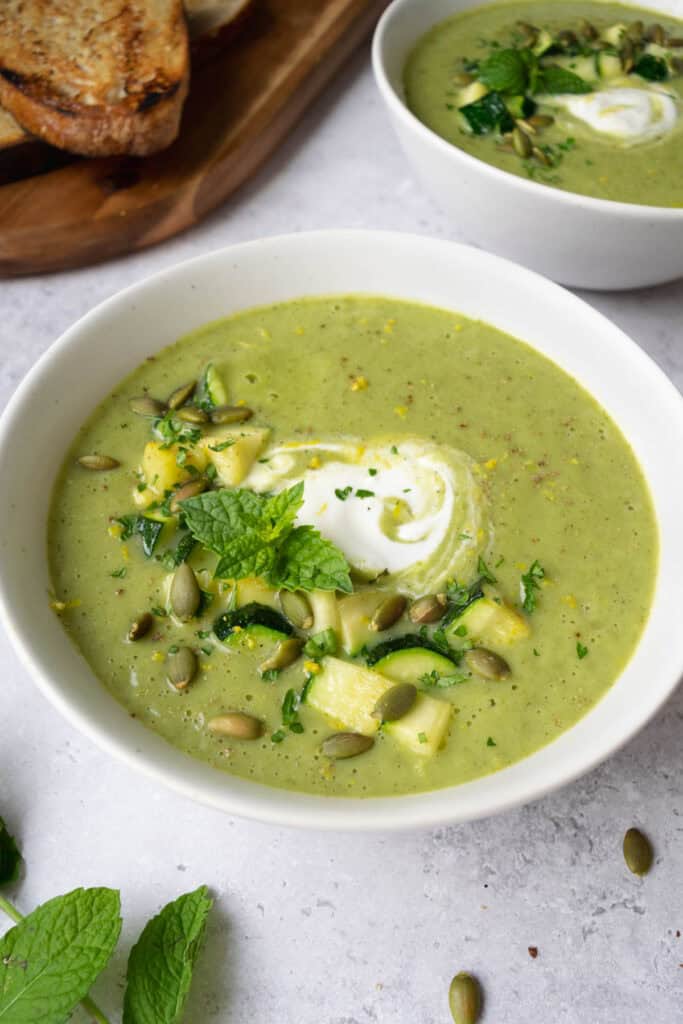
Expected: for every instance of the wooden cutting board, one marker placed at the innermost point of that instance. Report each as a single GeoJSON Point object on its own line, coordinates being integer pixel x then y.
{"type": "Point", "coordinates": [241, 105]}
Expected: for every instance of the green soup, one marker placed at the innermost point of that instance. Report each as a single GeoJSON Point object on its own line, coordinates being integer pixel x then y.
{"type": "Point", "coordinates": [548, 509]}
{"type": "Point", "coordinates": [586, 97]}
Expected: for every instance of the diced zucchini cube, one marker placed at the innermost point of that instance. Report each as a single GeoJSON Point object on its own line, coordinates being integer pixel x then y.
{"type": "Point", "coordinates": [608, 65]}
{"type": "Point", "coordinates": [494, 622]}
{"type": "Point", "coordinates": [471, 93]}
{"type": "Point", "coordinates": [161, 471]}
{"type": "Point", "coordinates": [423, 730]}
{"type": "Point", "coordinates": [233, 461]}
{"type": "Point", "coordinates": [355, 615]}
{"type": "Point", "coordinates": [614, 34]}
{"type": "Point", "coordinates": [347, 695]}
{"type": "Point", "coordinates": [252, 590]}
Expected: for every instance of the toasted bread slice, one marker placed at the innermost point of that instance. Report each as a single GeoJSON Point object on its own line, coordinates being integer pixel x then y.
{"type": "Point", "coordinates": [96, 77]}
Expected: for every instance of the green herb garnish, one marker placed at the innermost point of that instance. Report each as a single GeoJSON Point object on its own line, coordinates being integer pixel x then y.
{"type": "Point", "coordinates": [149, 530]}
{"type": "Point", "coordinates": [491, 742]}
{"type": "Point", "coordinates": [485, 573]}
{"type": "Point", "coordinates": [362, 493]}
{"type": "Point", "coordinates": [321, 644]}
{"type": "Point", "coordinates": [505, 71]}
{"type": "Point", "coordinates": [342, 492]}
{"type": "Point", "coordinates": [435, 679]}
{"type": "Point", "coordinates": [531, 582]}
{"type": "Point", "coordinates": [254, 535]}
{"type": "Point", "coordinates": [119, 574]}
{"type": "Point", "coordinates": [222, 446]}
{"type": "Point", "coordinates": [581, 650]}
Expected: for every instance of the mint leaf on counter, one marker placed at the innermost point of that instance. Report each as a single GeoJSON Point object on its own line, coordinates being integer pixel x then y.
{"type": "Point", "coordinates": [49, 961]}
{"type": "Point", "coordinates": [10, 857]}
{"type": "Point", "coordinates": [162, 961]}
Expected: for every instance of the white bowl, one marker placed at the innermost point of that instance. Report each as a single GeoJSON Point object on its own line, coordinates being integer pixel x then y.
{"type": "Point", "coordinates": [580, 241]}
{"type": "Point", "coordinates": [89, 359]}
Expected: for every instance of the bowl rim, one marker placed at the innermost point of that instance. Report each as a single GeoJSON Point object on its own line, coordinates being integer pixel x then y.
{"type": "Point", "coordinates": [254, 800]}
{"type": "Point", "coordinates": [400, 109]}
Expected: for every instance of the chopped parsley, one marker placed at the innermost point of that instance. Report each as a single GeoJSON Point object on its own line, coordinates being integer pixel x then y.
{"type": "Point", "coordinates": [362, 493]}
{"type": "Point", "coordinates": [530, 585]}
{"type": "Point", "coordinates": [435, 679]}
{"type": "Point", "coordinates": [343, 492]}
{"type": "Point", "coordinates": [278, 736]}
{"type": "Point", "coordinates": [581, 650]}
{"type": "Point", "coordinates": [484, 571]}
{"type": "Point", "coordinates": [222, 445]}
{"type": "Point", "coordinates": [119, 573]}
{"type": "Point", "coordinates": [372, 472]}
{"type": "Point", "coordinates": [491, 742]}
{"type": "Point", "coordinates": [422, 737]}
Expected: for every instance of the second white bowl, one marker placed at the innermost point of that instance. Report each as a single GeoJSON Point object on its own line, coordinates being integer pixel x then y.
{"type": "Point", "coordinates": [580, 241]}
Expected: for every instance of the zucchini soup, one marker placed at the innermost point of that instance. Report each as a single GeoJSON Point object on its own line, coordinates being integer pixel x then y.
{"type": "Point", "coordinates": [353, 546]}
{"type": "Point", "coordinates": [585, 97]}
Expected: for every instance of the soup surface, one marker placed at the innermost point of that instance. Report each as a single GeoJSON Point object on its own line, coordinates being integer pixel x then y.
{"type": "Point", "coordinates": [586, 97]}
{"type": "Point", "coordinates": [438, 458]}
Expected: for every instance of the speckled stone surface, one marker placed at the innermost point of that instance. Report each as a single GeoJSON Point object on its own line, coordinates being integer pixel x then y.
{"type": "Point", "coordinates": [339, 929]}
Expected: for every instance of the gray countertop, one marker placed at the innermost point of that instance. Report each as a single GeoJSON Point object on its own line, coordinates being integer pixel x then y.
{"type": "Point", "coordinates": [339, 929]}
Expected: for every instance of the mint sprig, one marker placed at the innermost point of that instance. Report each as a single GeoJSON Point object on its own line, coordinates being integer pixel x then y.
{"type": "Point", "coordinates": [254, 535]}
{"type": "Point", "coordinates": [557, 80]}
{"type": "Point", "coordinates": [162, 961]}
{"type": "Point", "coordinates": [50, 959]}
{"type": "Point", "coordinates": [505, 71]}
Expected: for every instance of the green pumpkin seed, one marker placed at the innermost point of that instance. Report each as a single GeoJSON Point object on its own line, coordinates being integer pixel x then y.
{"type": "Point", "coordinates": [181, 667]}
{"type": "Point", "coordinates": [185, 594]}
{"type": "Point", "coordinates": [627, 55]}
{"type": "Point", "coordinates": [98, 463]}
{"type": "Point", "coordinates": [588, 30]}
{"type": "Point", "coordinates": [521, 142]}
{"type": "Point", "coordinates": [286, 652]}
{"type": "Point", "coordinates": [396, 702]}
{"type": "Point", "coordinates": [231, 414]}
{"type": "Point", "coordinates": [346, 744]}
{"type": "Point", "coordinates": [189, 490]}
{"type": "Point", "coordinates": [181, 395]}
{"type": "Point", "coordinates": [140, 626]}
{"type": "Point", "coordinates": [525, 126]}
{"type": "Point", "coordinates": [655, 34]}
{"type": "Point", "coordinates": [677, 65]}
{"type": "Point", "coordinates": [462, 78]}
{"type": "Point", "coordinates": [566, 39]}
{"type": "Point", "coordinates": [296, 607]}
{"type": "Point", "coordinates": [464, 999]}
{"type": "Point", "coordinates": [635, 31]}
{"type": "Point", "coordinates": [428, 609]}
{"type": "Point", "coordinates": [675, 42]}
{"type": "Point", "coordinates": [144, 405]}
{"type": "Point", "coordinates": [486, 663]}
{"type": "Point", "coordinates": [541, 120]}
{"type": "Point", "coordinates": [388, 613]}
{"type": "Point", "coordinates": [192, 414]}
{"type": "Point", "coordinates": [541, 156]}
{"type": "Point", "coordinates": [638, 852]}
{"type": "Point", "coordinates": [237, 725]}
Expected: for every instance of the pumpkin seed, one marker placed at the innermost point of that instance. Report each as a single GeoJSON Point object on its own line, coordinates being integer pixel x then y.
{"type": "Point", "coordinates": [486, 663]}
{"type": "Point", "coordinates": [181, 395]}
{"type": "Point", "coordinates": [541, 156]}
{"type": "Point", "coordinates": [627, 55]}
{"type": "Point", "coordinates": [525, 126]}
{"type": "Point", "coordinates": [428, 609]}
{"type": "Point", "coordinates": [588, 30]}
{"type": "Point", "coordinates": [192, 414]}
{"type": "Point", "coordinates": [462, 78]}
{"type": "Point", "coordinates": [286, 652]}
{"type": "Point", "coordinates": [145, 405]}
{"type": "Point", "coordinates": [97, 463]}
{"type": "Point", "coordinates": [638, 852]}
{"type": "Point", "coordinates": [181, 667]}
{"type": "Point", "coordinates": [189, 490]}
{"type": "Point", "coordinates": [567, 39]}
{"type": "Point", "coordinates": [541, 120]}
{"type": "Point", "coordinates": [140, 626]}
{"type": "Point", "coordinates": [395, 702]}
{"type": "Point", "coordinates": [185, 594]}
{"type": "Point", "coordinates": [296, 607]}
{"type": "Point", "coordinates": [528, 34]}
{"type": "Point", "coordinates": [237, 725]}
{"type": "Point", "coordinates": [635, 31]}
{"type": "Point", "coordinates": [677, 65]}
{"type": "Point", "coordinates": [231, 414]}
{"type": "Point", "coordinates": [389, 612]}
{"type": "Point", "coordinates": [464, 999]}
{"type": "Point", "coordinates": [346, 744]}
{"type": "Point", "coordinates": [521, 142]}
{"type": "Point", "coordinates": [675, 41]}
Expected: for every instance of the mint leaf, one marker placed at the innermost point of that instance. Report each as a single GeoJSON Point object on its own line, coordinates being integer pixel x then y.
{"type": "Point", "coordinates": [161, 962]}
{"type": "Point", "coordinates": [10, 858]}
{"type": "Point", "coordinates": [283, 507]}
{"type": "Point", "coordinates": [556, 80]}
{"type": "Point", "coordinates": [504, 71]}
{"type": "Point", "coordinates": [251, 554]}
{"type": "Point", "coordinates": [50, 960]}
{"type": "Point", "coordinates": [216, 518]}
{"type": "Point", "coordinates": [309, 562]}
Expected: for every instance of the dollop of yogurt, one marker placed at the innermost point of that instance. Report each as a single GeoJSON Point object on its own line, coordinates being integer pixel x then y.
{"type": "Point", "coordinates": [412, 513]}
{"type": "Point", "coordinates": [630, 115]}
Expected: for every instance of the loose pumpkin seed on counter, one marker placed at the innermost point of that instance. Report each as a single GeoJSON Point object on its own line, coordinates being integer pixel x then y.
{"type": "Point", "coordinates": [638, 852]}
{"type": "Point", "coordinates": [312, 592]}
{"type": "Point", "coordinates": [464, 999]}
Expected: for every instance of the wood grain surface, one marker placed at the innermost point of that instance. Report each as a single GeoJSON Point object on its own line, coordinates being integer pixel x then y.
{"type": "Point", "coordinates": [241, 105]}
